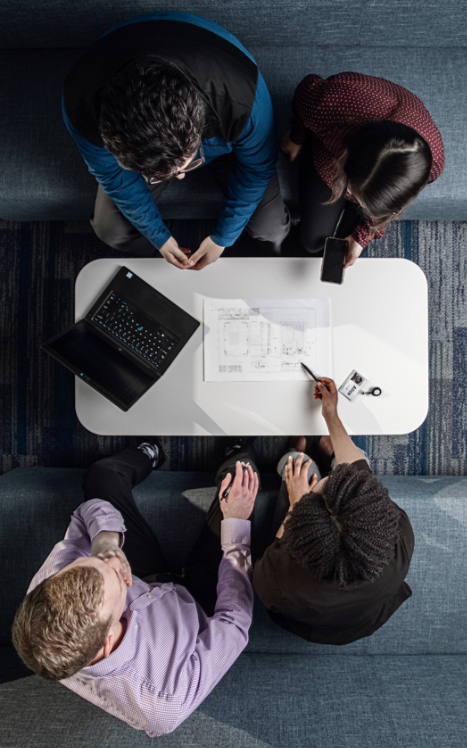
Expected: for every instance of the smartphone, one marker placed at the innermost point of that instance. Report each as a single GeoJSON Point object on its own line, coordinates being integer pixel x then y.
{"type": "Point", "coordinates": [332, 267]}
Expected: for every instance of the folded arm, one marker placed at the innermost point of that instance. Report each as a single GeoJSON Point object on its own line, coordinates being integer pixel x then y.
{"type": "Point", "coordinates": [87, 521]}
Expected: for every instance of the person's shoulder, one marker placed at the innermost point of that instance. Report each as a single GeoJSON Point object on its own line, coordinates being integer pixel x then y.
{"type": "Point", "coordinates": [360, 465]}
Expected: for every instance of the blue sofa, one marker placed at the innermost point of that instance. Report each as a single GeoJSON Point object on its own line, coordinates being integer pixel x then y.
{"type": "Point", "coordinates": [404, 687]}
{"type": "Point", "coordinates": [419, 45]}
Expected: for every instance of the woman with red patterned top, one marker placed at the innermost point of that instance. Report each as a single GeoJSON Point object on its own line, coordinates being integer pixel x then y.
{"type": "Point", "coordinates": [367, 146]}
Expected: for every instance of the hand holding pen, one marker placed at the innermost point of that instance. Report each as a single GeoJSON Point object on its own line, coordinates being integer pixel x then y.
{"type": "Point", "coordinates": [237, 496]}
{"type": "Point", "coordinates": [323, 380]}
{"type": "Point", "coordinates": [327, 387]}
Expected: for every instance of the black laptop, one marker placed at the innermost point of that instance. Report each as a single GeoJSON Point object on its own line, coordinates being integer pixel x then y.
{"type": "Point", "coordinates": [127, 340]}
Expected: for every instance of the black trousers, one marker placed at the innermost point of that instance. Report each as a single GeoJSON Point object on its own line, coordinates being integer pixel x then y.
{"type": "Point", "coordinates": [269, 222]}
{"type": "Point", "coordinates": [113, 478]}
{"type": "Point", "coordinates": [318, 221]}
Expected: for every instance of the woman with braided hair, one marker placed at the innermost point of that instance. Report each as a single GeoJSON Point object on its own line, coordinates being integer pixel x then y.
{"type": "Point", "coordinates": [341, 548]}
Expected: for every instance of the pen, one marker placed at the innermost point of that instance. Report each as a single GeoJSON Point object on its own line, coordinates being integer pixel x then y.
{"type": "Point", "coordinates": [227, 490]}
{"type": "Point", "coordinates": [313, 376]}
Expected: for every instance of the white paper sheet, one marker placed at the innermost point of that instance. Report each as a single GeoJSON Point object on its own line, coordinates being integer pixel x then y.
{"type": "Point", "coordinates": [247, 340]}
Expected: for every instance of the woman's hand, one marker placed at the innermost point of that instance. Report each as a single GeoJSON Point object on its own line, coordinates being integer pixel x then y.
{"type": "Point", "coordinates": [289, 147]}
{"type": "Point", "coordinates": [296, 479]}
{"type": "Point", "coordinates": [354, 250]}
{"type": "Point", "coordinates": [326, 390]}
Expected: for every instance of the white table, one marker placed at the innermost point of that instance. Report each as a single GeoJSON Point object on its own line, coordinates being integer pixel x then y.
{"type": "Point", "coordinates": [379, 327]}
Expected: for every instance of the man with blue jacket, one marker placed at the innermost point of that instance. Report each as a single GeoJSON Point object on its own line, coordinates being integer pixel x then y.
{"type": "Point", "coordinates": [156, 97]}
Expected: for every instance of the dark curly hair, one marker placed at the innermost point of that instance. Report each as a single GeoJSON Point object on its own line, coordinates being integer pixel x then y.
{"type": "Point", "coordinates": [347, 534]}
{"type": "Point", "coordinates": [151, 117]}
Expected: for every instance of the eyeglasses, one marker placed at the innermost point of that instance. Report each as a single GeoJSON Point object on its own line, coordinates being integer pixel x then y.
{"type": "Point", "coordinates": [191, 167]}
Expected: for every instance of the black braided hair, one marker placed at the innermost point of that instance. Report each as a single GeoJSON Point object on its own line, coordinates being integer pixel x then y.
{"type": "Point", "coordinates": [347, 534]}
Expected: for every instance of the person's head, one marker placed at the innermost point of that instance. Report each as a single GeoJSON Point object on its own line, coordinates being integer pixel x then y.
{"type": "Point", "coordinates": [344, 531]}
{"type": "Point", "coordinates": [382, 167]}
{"type": "Point", "coordinates": [69, 618]}
{"type": "Point", "coordinates": [151, 118]}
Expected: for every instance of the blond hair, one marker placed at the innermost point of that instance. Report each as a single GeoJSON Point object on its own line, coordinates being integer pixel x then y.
{"type": "Point", "coordinates": [58, 629]}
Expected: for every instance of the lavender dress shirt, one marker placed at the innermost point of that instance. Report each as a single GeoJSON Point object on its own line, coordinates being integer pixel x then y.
{"type": "Point", "coordinates": [172, 655]}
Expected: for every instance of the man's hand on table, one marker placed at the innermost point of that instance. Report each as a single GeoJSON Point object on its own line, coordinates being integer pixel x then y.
{"type": "Point", "coordinates": [207, 253]}
{"type": "Point", "coordinates": [174, 254]}
{"type": "Point", "coordinates": [106, 547]}
{"type": "Point", "coordinates": [241, 498]}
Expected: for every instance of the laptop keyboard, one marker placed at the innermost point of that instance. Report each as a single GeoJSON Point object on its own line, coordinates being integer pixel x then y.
{"type": "Point", "coordinates": [149, 341]}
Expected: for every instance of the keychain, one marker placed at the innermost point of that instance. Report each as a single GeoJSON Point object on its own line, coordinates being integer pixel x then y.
{"type": "Point", "coordinates": [375, 391]}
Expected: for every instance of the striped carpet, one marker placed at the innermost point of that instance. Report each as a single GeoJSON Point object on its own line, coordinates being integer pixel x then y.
{"type": "Point", "coordinates": [39, 264]}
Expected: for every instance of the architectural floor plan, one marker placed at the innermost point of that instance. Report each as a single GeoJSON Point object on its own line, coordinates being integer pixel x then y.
{"type": "Point", "coordinates": [266, 339]}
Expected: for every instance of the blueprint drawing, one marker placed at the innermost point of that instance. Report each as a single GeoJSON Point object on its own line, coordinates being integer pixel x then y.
{"type": "Point", "coordinates": [266, 339]}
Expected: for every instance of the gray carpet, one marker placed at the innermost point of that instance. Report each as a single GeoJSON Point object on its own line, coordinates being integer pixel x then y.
{"type": "Point", "coordinates": [40, 262]}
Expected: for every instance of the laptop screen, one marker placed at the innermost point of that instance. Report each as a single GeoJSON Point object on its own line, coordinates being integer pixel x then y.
{"type": "Point", "coordinates": [90, 355]}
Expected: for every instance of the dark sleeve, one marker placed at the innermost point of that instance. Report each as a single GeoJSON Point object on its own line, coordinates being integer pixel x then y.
{"type": "Point", "coordinates": [265, 582]}
{"type": "Point", "coordinates": [360, 465]}
{"type": "Point", "coordinates": [406, 536]}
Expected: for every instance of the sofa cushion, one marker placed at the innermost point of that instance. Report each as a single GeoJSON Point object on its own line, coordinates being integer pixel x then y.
{"type": "Point", "coordinates": [43, 177]}
{"type": "Point", "coordinates": [269, 701]}
{"type": "Point", "coordinates": [324, 22]}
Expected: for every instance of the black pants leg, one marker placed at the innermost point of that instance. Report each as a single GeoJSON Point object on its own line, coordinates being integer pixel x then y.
{"type": "Point", "coordinates": [270, 221]}
{"type": "Point", "coordinates": [202, 565]}
{"type": "Point", "coordinates": [318, 221]}
{"type": "Point", "coordinates": [112, 479]}
{"type": "Point", "coordinates": [118, 232]}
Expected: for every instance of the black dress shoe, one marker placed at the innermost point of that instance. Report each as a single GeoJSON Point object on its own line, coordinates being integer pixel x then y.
{"type": "Point", "coordinates": [153, 448]}
{"type": "Point", "coordinates": [237, 443]}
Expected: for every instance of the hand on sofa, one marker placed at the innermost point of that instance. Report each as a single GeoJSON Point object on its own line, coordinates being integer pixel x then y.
{"type": "Point", "coordinates": [290, 148]}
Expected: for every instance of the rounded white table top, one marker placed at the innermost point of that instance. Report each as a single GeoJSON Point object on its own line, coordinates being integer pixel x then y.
{"type": "Point", "coordinates": [379, 321]}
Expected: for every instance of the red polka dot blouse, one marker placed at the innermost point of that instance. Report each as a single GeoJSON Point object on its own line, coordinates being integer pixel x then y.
{"type": "Point", "coordinates": [333, 108]}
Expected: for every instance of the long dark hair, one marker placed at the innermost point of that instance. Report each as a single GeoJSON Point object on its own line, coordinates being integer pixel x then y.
{"type": "Point", "coordinates": [151, 117]}
{"type": "Point", "coordinates": [347, 534]}
{"type": "Point", "coordinates": [384, 165]}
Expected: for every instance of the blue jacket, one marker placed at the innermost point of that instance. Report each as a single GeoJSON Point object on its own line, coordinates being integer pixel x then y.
{"type": "Point", "coordinates": [255, 151]}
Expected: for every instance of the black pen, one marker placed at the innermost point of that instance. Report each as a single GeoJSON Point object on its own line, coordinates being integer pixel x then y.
{"type": "Point", "coordinates": [227, 490]}
{"type": "Point", "coordinates": [313, 376]}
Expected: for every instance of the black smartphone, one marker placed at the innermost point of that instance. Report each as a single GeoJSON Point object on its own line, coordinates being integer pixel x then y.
{"type": "Point", "coordinates": [332, 267]}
